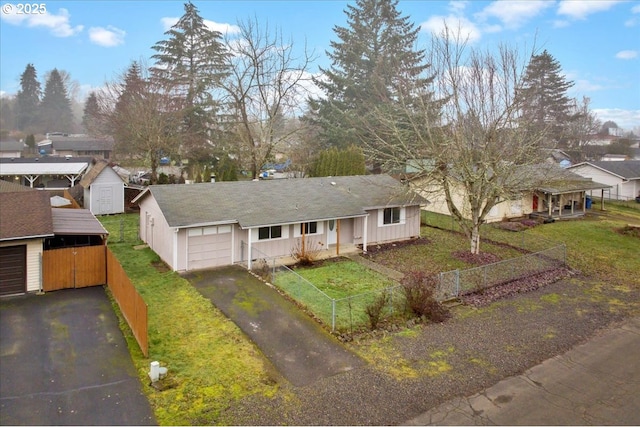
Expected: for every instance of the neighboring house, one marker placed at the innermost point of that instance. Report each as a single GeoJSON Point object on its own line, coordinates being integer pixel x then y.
{"type": "Point", "coordinates": [11, 148]}
{"type": "Point", "coordinates": [45, 172]}
{"type": "Point", "coordinates": [28, 226]}
{"type": "Point", "coordinates": [103, 189]}
{"type": "Point", "coordinates": [206, 225]}
{"type": "Point", "coordinates": [623, 177]}
{"type": "Point", "coordinates": [79, 146]}
{"type": "Point", "coordinates": [564, 196]}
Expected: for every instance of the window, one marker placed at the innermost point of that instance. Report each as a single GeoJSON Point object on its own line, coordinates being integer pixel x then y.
{"type": "Point", "coordinates": [391, 216]}
{"type": "Point", "coordinates": [273, 232]}
{"type": "Point", "coordinates": [309, 227]}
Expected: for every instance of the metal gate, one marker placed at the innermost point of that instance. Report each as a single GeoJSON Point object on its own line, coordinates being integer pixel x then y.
{"type": "Point", "coordinates": [74, 268]}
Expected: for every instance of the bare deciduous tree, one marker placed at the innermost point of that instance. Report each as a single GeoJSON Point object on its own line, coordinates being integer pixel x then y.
{"type": "Point", "coordinates": [583, 128]}
{"type": "Point", "coordinates": [475, 150]}
{"type": "Point", "coordinates": [266, 83]}
{"type": "Point", "coordinates": [142, 115]}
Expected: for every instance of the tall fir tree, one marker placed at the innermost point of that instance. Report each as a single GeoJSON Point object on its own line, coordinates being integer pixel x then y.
{"type": "Point", "coordinates": [193, 59]}
{"type": "Point", "coordinates": [91, 117]}
{"type": "Point", "coordinates": [374, 62]}
{"type": "Point", "coordinates": [544, 99]}
{"type": "Point", "coordinates": [55, 110]}
{"type": "Point", "coordinates": [28, 100]}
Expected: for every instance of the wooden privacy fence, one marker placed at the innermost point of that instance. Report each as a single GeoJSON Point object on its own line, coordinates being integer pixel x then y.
{"type": "Point", "coordinates": [70, 268]}
{"type": "Point", "coordinates": [131, 304]}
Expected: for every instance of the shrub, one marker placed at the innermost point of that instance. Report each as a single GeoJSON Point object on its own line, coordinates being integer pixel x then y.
{"type": "Point", "coordinates": [419, 289]}
{"type": "Point", "coordinates": [163, 178]}
{"type": "Point", "coordinates": [374, 310]}
{"type": "Point", "coordinates": [305, 254]}
{"type": "Point", "coordinates": [262, 269]}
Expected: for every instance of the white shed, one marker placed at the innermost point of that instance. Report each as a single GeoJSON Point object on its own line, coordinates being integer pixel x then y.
{"type": "Point", "coordinates": [103, 190]}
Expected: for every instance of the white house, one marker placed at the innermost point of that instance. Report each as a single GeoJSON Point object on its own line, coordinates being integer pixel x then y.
{"type": "Point", "coordinates": [623, 177]}
{"type": "Point", "coordinates": [206, 225]}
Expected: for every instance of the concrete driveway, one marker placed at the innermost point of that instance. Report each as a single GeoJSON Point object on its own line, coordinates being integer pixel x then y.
{"type": "Point", "coordinates": [64, 361]}
{"type": "Point", "coordinates": [295, 344]}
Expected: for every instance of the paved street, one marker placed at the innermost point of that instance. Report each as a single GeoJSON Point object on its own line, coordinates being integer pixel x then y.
{"type": "Point", "coordinates": [597, 383]}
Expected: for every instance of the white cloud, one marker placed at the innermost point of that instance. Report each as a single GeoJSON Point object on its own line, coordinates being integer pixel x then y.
{"type": "Point", "coordinates": [635, 9]}
{"type": "Point", "coordinates": [627, 54]}
{"type": "Point", "coordinates": [169, 22]}
{"type": "Point", "coordinates": [58, 25]}
{"type": "Point", "coordinates": [626, 119]}
{"type": "Point", "coordinates": [107, 37]}
{"type": "Point", "coordinates": [581, 9]}
{"type": "Point", "coordinates": [467, 29]}
{"type": "Point", "coordinates": [514, 14]}
{"type": "Point", "coordinates": [458, 6]}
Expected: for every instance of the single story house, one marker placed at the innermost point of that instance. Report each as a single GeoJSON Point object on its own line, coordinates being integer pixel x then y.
{"type": "Point", "coordinates": [79, 146]}
{"type": "Point", "coordinates": [623, 177]}
{"type": "Point", "coordinates": [11, 148]}
{"type": "Point", "coordinates": [198, 226]}
{"type": "Point", "coordinates": [562, 196]}
{"type": "Point", "coordinates": [103, 189]}
{"type": "Point", "coordinates": [28, 226]}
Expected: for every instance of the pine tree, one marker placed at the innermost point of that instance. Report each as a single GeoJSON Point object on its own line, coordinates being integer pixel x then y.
{"type": "Point", "coordinates": [55, 109]}
{"type": "Point", "coordinates": [28, 99]}
{"type": "Point", "coordinates": [545, 103]}
{"type": "Point", "coordinates": [192, 58]}
{"type": "Point", "coordinates": [373, 63]}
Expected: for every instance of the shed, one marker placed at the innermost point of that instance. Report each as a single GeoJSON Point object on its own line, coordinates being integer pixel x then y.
{"type": "Point", "coordinates": [103, 189]}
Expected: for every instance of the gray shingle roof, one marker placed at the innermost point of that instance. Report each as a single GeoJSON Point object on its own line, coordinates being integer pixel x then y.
{"type": "Point", "coordinates": [628, 169]}
{"type": "Point", "coordinates": [281, 201]}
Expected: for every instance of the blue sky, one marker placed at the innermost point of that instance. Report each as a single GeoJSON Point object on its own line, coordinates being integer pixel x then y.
{"type": "Point", "coordinates": [596, 42]}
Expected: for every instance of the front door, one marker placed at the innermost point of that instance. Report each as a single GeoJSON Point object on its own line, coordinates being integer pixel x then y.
{"type": "Point", "coordinates": [332, 233]}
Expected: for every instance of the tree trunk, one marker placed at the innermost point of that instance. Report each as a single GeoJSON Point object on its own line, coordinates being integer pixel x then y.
{"type": "Point", "coordinates": [475, 239]}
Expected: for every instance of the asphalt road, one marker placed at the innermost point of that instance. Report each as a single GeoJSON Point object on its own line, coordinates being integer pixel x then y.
{"type": "Point", "coordinates": [597, 383]}
{"type": "Point", "coordinates": [64, 361]}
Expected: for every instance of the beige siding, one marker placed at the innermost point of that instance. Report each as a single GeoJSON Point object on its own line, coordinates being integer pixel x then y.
{"type": "Point", "coordinates": [34, 254]}
{"type": "Point", "coordinates": [155, 231]}
{"type": "Point", "coordinates": [409, 226]}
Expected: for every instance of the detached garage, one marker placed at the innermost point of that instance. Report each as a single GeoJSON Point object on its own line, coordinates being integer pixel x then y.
{"type": "Point", "coordinates": [25, 222]}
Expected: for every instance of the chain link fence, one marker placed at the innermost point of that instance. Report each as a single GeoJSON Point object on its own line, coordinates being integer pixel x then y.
{"type": "Point", "coordinates": [455, 283]}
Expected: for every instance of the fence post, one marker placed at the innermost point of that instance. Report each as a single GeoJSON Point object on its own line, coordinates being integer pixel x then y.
{"type": "Point", "coordinates": [333, 315]}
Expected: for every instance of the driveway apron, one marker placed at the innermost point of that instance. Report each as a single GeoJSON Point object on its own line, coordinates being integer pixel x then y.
{"type": "Point", "coordinates": [64, 361]}
{"type": "Point", "coordinates": [296, 345]}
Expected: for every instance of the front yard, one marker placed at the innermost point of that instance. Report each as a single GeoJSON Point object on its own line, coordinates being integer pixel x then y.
{"type": "Point", "coordinates": [219, 377]}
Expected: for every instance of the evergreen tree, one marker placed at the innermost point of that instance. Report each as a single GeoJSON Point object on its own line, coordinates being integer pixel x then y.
{"type": "Point", "coordinates": [91, 118]}
{"type": "Point", "coordinates": [545, 103]}
{"type": "Point", "coordinates": [55, 109]}
{"type": "Point", "coordinates": [193, 58]}
{"type": "Point", "coordinates": [28, 99]}
{"type": "Point", "coordinates": [30, 141]}
{"type": "Point", "coordinates": [335, 162]}
{"type": "Point", "coordinates": [373, 63]}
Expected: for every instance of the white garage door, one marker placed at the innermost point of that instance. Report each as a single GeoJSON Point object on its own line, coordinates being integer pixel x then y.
{"type": "Point", "coordinates": [209, 247]}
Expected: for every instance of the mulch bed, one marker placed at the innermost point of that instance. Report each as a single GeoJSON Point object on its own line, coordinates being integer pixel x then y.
{"type": "Point", "coordinates": [374, 249]}
{"type": "Point", "coordinates": [526, 284]}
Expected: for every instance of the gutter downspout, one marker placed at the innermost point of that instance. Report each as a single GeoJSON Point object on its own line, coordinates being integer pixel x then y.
{"type": "Point", "coordinates": [364, 233]}
{"type": "Point", "coordinates": [175, 248]}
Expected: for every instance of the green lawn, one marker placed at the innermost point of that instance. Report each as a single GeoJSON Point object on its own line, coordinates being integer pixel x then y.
{"type": "Point", "coordinates": [211, 363]}
{"type": "Point", "coordinates": [331, 288]}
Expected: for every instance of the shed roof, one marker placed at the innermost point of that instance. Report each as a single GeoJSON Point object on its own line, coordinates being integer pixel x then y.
{"type": "Point", "coordinates": [25, 214]}
{"type": "Point", "coordinates": [81, 143]}
{"type": "Point", "coordinates": [76, 222]}
{"type": "Point", "coordinates": [281, 201]}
